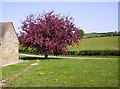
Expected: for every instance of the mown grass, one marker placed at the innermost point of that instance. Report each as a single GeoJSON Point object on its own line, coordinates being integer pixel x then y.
{"type": "Point", "coordinates": [68, 73]}
{"type": "Point", "coordinates": [7, 71]}
{"type": "Point", "coordinates": [100, 43]}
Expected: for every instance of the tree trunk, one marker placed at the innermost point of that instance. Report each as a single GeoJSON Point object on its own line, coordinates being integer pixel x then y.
{"type": "Point", "coordinates": [46, 56]}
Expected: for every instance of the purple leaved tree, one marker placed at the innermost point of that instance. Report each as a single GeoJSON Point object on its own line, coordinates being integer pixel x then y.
{"type": "Point", "coordinates": [49, 33]}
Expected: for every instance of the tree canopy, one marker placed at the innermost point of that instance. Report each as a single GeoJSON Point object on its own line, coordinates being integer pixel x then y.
{"type": "Point", "coordinates": [49, 33]}
{"type": "Point", "coordinates": [81, 33]}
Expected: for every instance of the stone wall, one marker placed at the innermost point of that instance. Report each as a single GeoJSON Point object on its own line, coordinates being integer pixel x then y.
{"type": "Point", "coordinates": [9, 47]}
{"type": "Point", "coordinates": [0, 54]}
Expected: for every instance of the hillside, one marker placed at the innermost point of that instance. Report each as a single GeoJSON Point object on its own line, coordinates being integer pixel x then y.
{"type": "Point", "coordinates": [93, 35]}
{"type": "Point", "coordinates": [99, 43]}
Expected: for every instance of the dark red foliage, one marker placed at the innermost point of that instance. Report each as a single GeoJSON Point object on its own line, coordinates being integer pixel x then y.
{"type": "Point", "coordinates": [49, 33]}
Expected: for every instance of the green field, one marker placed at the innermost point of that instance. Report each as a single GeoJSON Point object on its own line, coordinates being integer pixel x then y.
{"type": "Point", "coordinates": [92, 35]}
{"type": "Point", "coordinates": [66, 73]}
{"type": "Point", "coordinates": [7, 71]}
{"type": "Point", "coordinates": [99, 43]}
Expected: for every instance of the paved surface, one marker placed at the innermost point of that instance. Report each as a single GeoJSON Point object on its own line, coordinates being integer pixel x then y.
{"type": "Point", "coordinates": [14, 62]}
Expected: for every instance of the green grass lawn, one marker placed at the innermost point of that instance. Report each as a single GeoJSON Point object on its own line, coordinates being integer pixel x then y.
{"type": "Point", "coordinates": [7, 71]}
{"type": "Point", "coordinates": [67, 73]}
{"type": "Point", "coordinates": [100, 43]}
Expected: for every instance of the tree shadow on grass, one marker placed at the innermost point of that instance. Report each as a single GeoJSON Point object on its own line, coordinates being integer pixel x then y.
{"type": "Point", "coordinates": [38, 58]}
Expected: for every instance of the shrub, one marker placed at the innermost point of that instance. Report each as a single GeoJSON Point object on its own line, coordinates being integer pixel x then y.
{"type": "Point", "coordinates": [78, 53]}
{"type": "Point", "coordinates": [95, 52]}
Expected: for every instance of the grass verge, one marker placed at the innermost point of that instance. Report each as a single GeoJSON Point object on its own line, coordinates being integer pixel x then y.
{"type": "Point", "coordinates": [7, 71]}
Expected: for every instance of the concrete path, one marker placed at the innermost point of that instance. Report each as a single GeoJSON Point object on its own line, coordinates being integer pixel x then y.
{"type": "Point", "coordinates": [19, 61]}
{"type": "Point", "coordinates": [30, 55]}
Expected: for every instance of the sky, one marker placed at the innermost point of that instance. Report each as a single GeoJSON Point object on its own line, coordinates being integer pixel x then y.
{"type": "Point", "coordinates": [90, 16]}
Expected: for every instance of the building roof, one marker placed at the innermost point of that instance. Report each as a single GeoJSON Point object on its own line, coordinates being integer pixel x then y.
{"type": "Point", "coordinates": [4, 28]}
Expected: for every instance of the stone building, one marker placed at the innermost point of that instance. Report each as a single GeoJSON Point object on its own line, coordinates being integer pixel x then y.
{"type": "Point", "coordinates": [8, 44]}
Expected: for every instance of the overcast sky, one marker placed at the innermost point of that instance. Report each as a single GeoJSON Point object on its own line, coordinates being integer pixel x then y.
{"type": "Point", "coordinates": [90, 16]}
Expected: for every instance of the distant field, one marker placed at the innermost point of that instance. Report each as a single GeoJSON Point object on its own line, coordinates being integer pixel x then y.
{"type": "Point", "coordinates": [99, 43]}
{"type": "Point", "coordinates": [92, 35]}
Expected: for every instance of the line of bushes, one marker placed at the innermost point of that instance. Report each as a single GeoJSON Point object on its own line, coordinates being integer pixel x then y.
{"type": "Point", "coordinates": [95, 53]}
{"type": "Point", "coordinates": [78, 53]}
{"type": "Point", "coordinates": [26, 50]}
